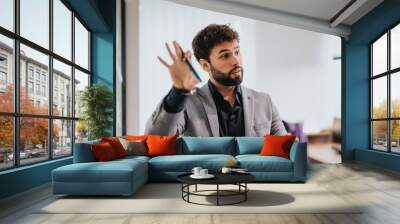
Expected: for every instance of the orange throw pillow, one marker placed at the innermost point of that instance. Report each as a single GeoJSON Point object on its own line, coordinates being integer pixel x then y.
{"type": "Point", "coordinates": [161, 145]}
{"type": "Point", "coordinates": [103, 152]}
{"type": "Point", "coordinates": [277, 145]}
{"type": "Point", "coordinates": [135, 137]}
{"type": "Point", "coordinates": [116, 145]}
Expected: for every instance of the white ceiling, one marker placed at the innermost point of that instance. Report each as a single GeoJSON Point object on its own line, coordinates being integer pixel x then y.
{"type": "Point", "coordinates": [320, 9]}
{"type": "Point", "coordinates": [314, 15]}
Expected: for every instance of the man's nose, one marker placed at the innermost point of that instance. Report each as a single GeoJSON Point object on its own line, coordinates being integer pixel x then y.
{"type": "Point", "coordinates": [236, 60]}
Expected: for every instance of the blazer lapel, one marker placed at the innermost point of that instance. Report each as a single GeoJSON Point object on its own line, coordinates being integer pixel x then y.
{"type": "Point", "coordinates": [210, 109]}
{"type": "Point", "coordinates": [248, 110]}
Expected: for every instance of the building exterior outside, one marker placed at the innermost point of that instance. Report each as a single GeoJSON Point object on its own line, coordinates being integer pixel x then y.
{"type": "Point", "coordinates": [34, 82]}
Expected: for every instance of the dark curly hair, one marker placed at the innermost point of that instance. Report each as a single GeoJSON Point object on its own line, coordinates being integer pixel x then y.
{"type": "Point", "coordinates": [211, 36]}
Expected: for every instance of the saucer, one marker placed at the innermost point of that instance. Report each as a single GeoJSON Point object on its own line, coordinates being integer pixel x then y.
{"type": "Point", "coordinates": [208, 176]}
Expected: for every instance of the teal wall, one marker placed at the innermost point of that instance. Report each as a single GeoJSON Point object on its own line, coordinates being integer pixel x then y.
{"type": "Point", "coordinates": [355, 82]}
{"type": "Point", "coordinates": [103, 52]}
{"type": "Point", "coordinates": [24, 178]}
{"type": "Point", "coordinates": [99, 16]}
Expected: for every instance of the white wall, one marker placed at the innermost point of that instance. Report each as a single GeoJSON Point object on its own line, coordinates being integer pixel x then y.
{"type": "Point", "coordinates": [292, 65]}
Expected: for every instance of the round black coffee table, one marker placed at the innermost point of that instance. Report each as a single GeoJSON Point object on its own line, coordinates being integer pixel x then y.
{"type": "Point", "coordinates": [238, 179]}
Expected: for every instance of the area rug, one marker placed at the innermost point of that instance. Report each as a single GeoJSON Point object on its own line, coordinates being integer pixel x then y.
{"type": "Point", "coordinates": [167, 198]}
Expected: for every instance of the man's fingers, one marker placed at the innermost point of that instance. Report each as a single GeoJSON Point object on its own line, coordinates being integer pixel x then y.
{"type": "Point", "coordinates": [163, 62]}
{"type": "Point", "coordinates": [170, 52]}
{"type": "Point", "coordinates": [188, 54]}
{"type": "Point", "coordinates": [178, 49]}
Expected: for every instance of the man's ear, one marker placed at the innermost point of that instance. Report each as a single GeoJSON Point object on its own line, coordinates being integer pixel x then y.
{"type": "Point", "coordinates": [205, 65]}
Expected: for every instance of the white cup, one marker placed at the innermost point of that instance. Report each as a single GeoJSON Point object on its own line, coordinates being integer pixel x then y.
{"type": "Point", "coordinates": [226, 170]}
{"type": "Point", "coordinates": [203, 172]}
{"type": "Point", "coordinates": [196, 170]}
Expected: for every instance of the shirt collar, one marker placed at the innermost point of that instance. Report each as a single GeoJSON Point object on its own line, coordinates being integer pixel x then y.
{"type": "Point", "coordinates": [218, 97]}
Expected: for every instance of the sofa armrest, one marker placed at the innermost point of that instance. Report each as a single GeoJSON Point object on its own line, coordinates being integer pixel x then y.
{"type": "Point", "coordinates": [298, 155]}
{"type": "Point", "coordinates": [83, 152]}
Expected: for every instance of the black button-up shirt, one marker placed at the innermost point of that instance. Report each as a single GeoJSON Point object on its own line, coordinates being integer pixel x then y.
{"type": "Point", "coordinates": [230, 118]}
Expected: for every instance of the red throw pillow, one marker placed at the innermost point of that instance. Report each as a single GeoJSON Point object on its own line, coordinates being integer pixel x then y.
{"type": "Point", "coordinates": [135, 137]}
{"type": "Point", "coordinates": [103, 152]}
{"type": "Point", "coordinates": [161, 145]}
{"type": "Point", "coordinates": [277, 145]}
{"type": "Point", "coordinates": [116, 145]}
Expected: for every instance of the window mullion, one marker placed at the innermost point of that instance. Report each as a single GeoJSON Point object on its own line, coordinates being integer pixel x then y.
{"type": "Point", "coordinates": [73, 82]}
{"type": "Point", "coordinates": [50, 81]}
{"type": "Point", "coordinates": [16, 69]}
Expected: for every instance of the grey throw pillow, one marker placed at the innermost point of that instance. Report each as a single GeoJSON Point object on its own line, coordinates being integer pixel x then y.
{"type": "Point", "coordinates": [134, 147]}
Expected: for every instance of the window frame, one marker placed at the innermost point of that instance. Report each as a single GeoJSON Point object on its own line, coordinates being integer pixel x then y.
{"type": "Point", "coordinates": [15, 72]}
{"type": "Point", "coordinates": [388, 74]}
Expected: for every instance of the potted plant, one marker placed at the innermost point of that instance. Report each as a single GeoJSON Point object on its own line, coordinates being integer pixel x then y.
{"type": "Point", "coordinates": [96, 103]}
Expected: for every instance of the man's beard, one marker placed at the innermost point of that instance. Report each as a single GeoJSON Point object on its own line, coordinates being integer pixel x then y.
{"type": "Point", "coordinates": [225, 79]}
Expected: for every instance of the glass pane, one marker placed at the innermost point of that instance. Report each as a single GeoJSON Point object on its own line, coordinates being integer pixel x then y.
{"type": "Point", "coordinates": [379, 135]}
{"type": "Point", "coordinates": [395, 47]}
{"type": "Point", "coordinates": [379, 55]}
{"type": "Point", "coordinates": [395, 94]}
{"type": "Point", "coordinates": [34, 72]}
{"type": "Point", "coordinates": [81, 131]}
{"type": "Point", "coordinates": [35, 21]}
{"type": "Point", "coordinates": [62, 89]}
{"type": "Point", "coordinates": [6, 142]}
{"type": "Point", "coordinates": [62, 138]}
{"type": "Point", "coordinates": [7, 14]}
{"type": "Point", "coordinates": [395, 136]}
{"type": "Point", "coordinates": [33, 139]}
{"type": "Point", "coordinates": [62, 29]}
{"type": "Point", "coordinates": [81, 81]}
{"type": "Point", "coordinates": [81, 45]}
{"type": "Point", "coordinates": [379, 97]}
{"type": "Point", "coordinates": [6, 74]}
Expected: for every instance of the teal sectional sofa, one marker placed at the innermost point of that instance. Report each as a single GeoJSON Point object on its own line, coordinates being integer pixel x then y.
{"type": "Point", "coordinates": [125, 176]}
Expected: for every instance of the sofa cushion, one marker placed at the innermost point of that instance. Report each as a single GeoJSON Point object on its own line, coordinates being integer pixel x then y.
{"type": "Point", "coordinates": [103, 152]}
{"type": "Point", "coordinates": [111, 171]}
{"type": "Point", "coordinates": [116, 145]}
{"type": "Point", "coordinates": [249, 145]}
{"type": "Point", "coordinates": [277, 145]}
{"type": "Point", "coordinates": [134, 147]}
{"type": "Point", "coordinates": [207, 145]}
{"type": "Point", "coordinates": [185, 163]}
{"type": "Point", "coordinates": [161, 145]}
{"type": "Point", "coordinates": [83, 152]}
{"type": "Point", "coordinates": [257, 163]}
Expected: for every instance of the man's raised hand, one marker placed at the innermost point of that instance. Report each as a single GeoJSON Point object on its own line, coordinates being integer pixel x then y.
{"type": "Point", "coordinates": [181, 75]}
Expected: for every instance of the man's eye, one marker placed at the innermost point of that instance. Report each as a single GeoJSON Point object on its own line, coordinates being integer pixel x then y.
{"type": "Point", "coordinates": [237, 52]}
{"type": "Point", "coordinates": [225, 56]}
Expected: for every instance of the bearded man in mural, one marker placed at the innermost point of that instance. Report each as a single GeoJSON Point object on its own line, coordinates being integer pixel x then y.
{"type": "Point", "coordinates": [222, 107]}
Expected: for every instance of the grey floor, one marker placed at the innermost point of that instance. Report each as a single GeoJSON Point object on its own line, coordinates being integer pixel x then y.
{"type": "Point", "coordinates": [378, 188]}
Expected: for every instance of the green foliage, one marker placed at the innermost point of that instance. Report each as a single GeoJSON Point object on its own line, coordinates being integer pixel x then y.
{"type": "Point", "coordinates": [96, 102]}
{"type": "Point", "coordinates": [380, 127]}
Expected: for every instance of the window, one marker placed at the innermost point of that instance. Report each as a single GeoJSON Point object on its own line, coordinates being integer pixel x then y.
{"type": "Point", "coordinates": [37, 74]}
{"type": "Point", "coordinates": [3, 78]}
{"type": "Point", "coordinates": [3, 61]}
{"type": "Point", "coordinates": [3, 72]}
{"type": "Point", "coordinates": [6, 73]}
{"type": "Point", "coordinates": [7, 14]}
{"type": "Point", "coordinates": [43, 90]}
{"type": "Point", "coordinates": [385, 91]}
{"type": "Point", "coordinates": [30, 87]}
{"type": "Point", "coordinates": [54, 125]}
{"type": "Point", "coordinates": [38, 89]}
{"type": "Point", "coordinates": [30, 72]}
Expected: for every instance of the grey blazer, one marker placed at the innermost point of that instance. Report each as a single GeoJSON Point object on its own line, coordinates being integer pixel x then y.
{"type": "Point", "coordinates": [199, 116]}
